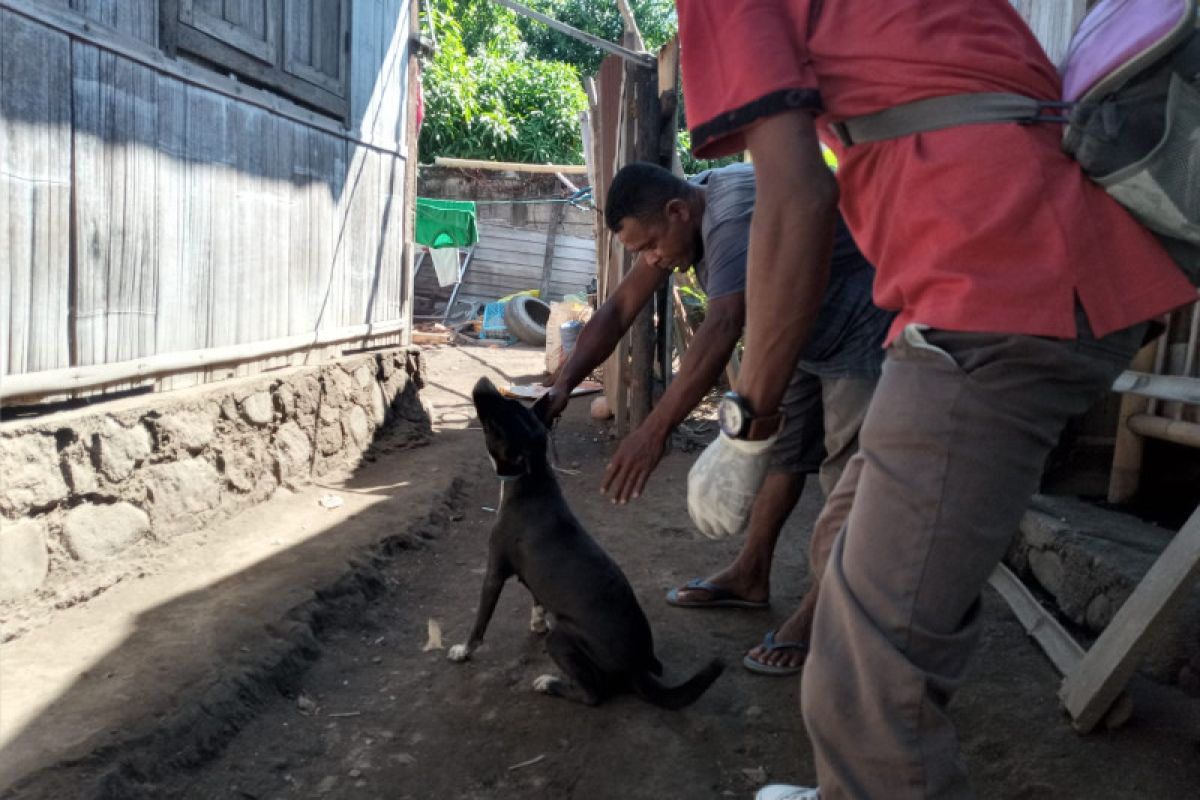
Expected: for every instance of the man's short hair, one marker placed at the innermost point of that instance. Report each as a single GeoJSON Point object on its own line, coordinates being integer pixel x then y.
{"type": "Point", "coordinates": [640, 191]}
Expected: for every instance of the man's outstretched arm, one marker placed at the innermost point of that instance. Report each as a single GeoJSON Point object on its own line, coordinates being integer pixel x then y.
{"type": "Point", "coordinates": [601, 334]}
{"type": "Point", "coordinates": [706, 357]}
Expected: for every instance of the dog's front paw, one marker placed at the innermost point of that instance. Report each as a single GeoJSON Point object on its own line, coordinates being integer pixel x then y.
{"type": "Point", "coordinates": [547, 684]}
{"type": "Point", "coordinates": [459, 652]}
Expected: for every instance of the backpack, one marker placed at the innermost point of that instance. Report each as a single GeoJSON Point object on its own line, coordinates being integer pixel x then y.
{"type": "Point", "coordinates": [1131, 106]}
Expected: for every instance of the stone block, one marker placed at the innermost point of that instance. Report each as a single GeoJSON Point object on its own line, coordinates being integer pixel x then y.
{"type": "Point", "coordinates": [329, 437]}
{"type": "Point", "coordinates": [339, 388]}
{"type": "Point", "coordinates": [97, 532]}
{"type": "Point", "coordinates": [248, 469]}
{"type": "Point", "coordinates": [180, 493]}
{"type": "Point", "coordinates": [285, 400]}
{"type": "Point", "coordinates": [30, 473]}
{"type": "Point", "coordinates": [363, 376]}
{"type": "Point", "coordinates": [190, 430]}
{"type": "Point", "coordinates": [122, 449]}
{"type": "Point", "coordinates": [379, 406]}
{"type": "Point", "coordinates": [24, 557]}
{"type": "Point", "coordinates": [293, 450]}
{"type": "Point", "coordinates": [1047, 567]}
{"type": "Point", "coordinates": [308, 396]}
{"type": "Point", "coordinates": [357, 427]}
{"type": "Point", "coordinates": [259, 409]}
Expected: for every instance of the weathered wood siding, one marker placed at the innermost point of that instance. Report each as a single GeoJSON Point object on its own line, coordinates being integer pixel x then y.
{"type": "Point", "coordinates": [200, 220]}
{"type": "Point", "coordinates": [137, 18]}
{"type": "Point", "coordinates": [509, 260]}
{"type": "Point", "coordinates": [35, 195]}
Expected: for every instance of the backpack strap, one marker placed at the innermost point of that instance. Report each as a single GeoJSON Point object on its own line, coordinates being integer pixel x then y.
{"type": "Point", "coordinates": [936, 113]}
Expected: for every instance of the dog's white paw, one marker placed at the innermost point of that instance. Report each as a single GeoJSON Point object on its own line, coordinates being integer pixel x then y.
{"type": "Point", "coordinates": [546, 684]}
{"type": "Point", "coordinates": [537, 620]}
{"type": "Point", "coordinates": [459, 652]}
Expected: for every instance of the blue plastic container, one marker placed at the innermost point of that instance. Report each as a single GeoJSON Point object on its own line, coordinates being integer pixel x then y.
{"type": "Point", "coordinates": [493, 322]}
{"type": "Point", "coordinates": [569, 333]}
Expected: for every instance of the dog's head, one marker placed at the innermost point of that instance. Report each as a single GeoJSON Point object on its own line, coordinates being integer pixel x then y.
{"type": "Point", "coordinates": [516, 439]}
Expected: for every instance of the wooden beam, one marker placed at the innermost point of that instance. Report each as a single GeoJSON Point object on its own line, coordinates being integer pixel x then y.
{"type": "Point", "coordinates": [1062, 650]}
{"type": "Point", "coordinates": [642, 128]}
{"type": "Point", "coordinates": [556, 218]}
{"type": "Point", "coordinates": [1089, 691]}
{"type": "Point", "coordinates": [63, 381]}
{"type": "Point", "coordinates": [411, 133]}
{"type": "Point", "coordinates": [642, 59]}
{"type": "Point", "coordinates": [631, 26]}
{"type": "Point", "coordinates": [1160, 387]}
{"type": "Point", "coordinates": [510, 166]}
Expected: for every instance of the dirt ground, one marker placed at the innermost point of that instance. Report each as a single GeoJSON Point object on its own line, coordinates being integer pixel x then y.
{"type": "Point", "coordinates": [354, 697]}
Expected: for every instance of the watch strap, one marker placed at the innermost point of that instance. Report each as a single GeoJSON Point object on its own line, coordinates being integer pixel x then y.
{"type": "Point", "coordinates": [763, 427]}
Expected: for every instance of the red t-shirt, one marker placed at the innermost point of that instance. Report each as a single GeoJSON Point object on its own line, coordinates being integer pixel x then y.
{"type": "Point", "coordinates": [987, 227]}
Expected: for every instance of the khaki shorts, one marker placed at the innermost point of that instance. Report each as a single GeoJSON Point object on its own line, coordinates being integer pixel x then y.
{"type": "Point", "coordinates": [820, 428]}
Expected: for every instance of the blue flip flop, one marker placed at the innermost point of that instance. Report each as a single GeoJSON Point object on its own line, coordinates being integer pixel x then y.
{"type": "Point", "coordinates": [718, 597]}
{"type": "Point", "coordinates": [754, 665]}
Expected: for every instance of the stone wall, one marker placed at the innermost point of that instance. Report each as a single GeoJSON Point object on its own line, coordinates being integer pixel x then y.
{"type": "Point", "coordinates": [1087, 561]}
{"type": "Point", "coordinates": [504, 197]}
{"type": "Point", "coordinates": [79, 488]}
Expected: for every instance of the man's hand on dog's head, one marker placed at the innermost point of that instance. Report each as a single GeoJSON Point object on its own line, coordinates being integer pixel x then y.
{"type": "Point", "coordinates": [550, 405]}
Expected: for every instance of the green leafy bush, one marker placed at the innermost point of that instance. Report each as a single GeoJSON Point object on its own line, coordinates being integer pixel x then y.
{"type": "Point", "coordinates": [495, 102]}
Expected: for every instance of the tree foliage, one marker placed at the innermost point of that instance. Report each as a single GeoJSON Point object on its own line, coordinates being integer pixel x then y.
{"type": "Point", "coordinates": [508, 88]}
{"type": "Point", "coordinates": [486, 98]}
{"type": "Point", "coordinates": [655, 19]}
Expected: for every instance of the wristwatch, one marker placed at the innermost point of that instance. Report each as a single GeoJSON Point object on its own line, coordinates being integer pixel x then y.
{"type": "Point", "coordinates": [738, 421]}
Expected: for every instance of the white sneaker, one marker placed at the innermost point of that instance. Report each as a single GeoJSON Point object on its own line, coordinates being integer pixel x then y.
{"type": "Point", "coordinates": [781, 791]}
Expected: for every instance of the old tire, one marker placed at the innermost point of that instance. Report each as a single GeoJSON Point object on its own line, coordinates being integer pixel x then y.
{"type": "Point", "coordinates": [526, 317]}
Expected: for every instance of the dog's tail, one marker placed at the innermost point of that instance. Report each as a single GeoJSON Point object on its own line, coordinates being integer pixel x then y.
{"type": "Point", "coordinates": [682, 695]}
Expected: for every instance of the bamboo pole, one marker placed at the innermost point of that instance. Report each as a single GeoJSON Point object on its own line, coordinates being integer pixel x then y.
{"type": "Point", "coordinates": [1126, 472]}
{"type": "Point", "coordinates": [1169, 430]}
{"type": "Point", "coordinates": [510, 166]}
{"type": "Point", "coordinates": [645, 59]}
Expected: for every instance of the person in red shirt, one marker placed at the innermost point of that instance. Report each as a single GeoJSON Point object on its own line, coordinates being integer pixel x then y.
{"type": "Point", "coordinates": [1021, 290]}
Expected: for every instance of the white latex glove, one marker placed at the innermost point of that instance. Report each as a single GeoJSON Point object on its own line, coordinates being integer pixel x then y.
{"type": "Point", "coordinates": [723, 482]}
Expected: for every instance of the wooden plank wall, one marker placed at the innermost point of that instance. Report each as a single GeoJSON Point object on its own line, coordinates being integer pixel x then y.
{"type": "Point", "coordinates": [137, 18]}
{"type": "Point", "coordinates": [509, 260]}
{"type": "Point", "coordinates": [35, 195]}
{"type": "Point", "coordinates": [200, 220]}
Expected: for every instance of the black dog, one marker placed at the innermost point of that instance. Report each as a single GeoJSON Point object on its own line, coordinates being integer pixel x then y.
{"type": "Point", "coordinates": [598, 634]}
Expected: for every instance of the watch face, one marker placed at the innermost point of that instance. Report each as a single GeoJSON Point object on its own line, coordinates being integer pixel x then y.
{"type": "Point", "coordinates": [731, 416]}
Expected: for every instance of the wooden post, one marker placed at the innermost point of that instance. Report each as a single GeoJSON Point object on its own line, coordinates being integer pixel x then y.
{"type": "Point", "coordinates": [411, 133]}
{"type": "Point", "coordinates": [556, 218]}
{"type": "Point", "coordinates": [668, 110]}
{"type": "Point", "coordinates": [643, 130]}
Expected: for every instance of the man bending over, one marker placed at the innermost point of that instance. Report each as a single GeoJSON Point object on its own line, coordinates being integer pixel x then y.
{"type": "Point", "coordinates": [672, 224]}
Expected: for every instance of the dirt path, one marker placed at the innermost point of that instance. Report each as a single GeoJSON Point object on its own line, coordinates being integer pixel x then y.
{"type": "Point", "coordinates": [364, 710]}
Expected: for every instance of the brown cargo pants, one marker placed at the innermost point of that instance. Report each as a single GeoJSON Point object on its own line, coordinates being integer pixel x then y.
{"type": "Point", "coordinates": [952, 449]}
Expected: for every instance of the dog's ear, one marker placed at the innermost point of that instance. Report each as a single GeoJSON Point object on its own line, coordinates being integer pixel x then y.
{"type": "Point", "coordinates": [541, 410]}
